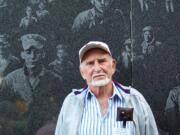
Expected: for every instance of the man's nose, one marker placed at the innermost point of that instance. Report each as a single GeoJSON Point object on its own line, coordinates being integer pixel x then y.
{"type": "Point", "coordinates": [97, 67]}
{"type": "Point", "coordinates": [32, 55]}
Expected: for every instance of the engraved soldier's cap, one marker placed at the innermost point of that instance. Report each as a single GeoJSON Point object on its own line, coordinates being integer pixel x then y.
{"type": "Point", "coordinates": [4, 40]}
{"type": "Point", "coordinates": [129, 41]}
{"type": "Point", "coordinates": [33, 40]}
{"type": "Point", "coordinates": [148, 28]}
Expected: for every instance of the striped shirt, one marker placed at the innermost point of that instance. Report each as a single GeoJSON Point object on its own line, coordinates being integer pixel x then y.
{"type": "Point", "coordinates": [93, 123]}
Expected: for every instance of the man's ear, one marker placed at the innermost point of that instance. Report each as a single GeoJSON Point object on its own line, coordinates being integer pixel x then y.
{"type": "Point", "coordinates": [114, 63]}
{"type": "Point", "coordinates": [43, 54]}
{"type": "Point", "coordinates": [22, 55]}
{"type": "Point", "coordinates": [81, 72]}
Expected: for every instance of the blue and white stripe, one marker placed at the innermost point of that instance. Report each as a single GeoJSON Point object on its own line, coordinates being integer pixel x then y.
{"type": "Point", "coordinates": [93, 123]}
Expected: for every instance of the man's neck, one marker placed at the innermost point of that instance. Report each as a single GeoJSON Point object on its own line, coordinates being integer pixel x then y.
{"type": "Point", "coordinates": [102, 94]}
{"type": "Point", "coordinates": [33, 72]}
{"type": "Point", "coordinates": [103, 91]}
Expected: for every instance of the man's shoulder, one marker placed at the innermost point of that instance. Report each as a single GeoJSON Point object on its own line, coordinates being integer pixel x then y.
{"type": "Point", "coordinates": [77, 92]}
{"type": "Point", "coordinates": [123, 88]}
{"type": "Point", "coordinates": [75, 96]}
{"type": "Point", "coordinates": [129, 90]}
{"type": "Point", "coordinates": [158, 44]}
{"type": "Point", "coordinates": [83, 18]}
{"type": "Point", "coordinates": [143, 43]}
{"type": "Point", "coordinates": [50, 74]}
{"type": "Point", "coordinates": [136, 93]}
{"type": "Point", "coordinates": [14, 59]}
{"type": "Point", "coordinates": [85, 14]}
{"type": "Point", "coordinates": [53, 63]}
{"type": "Point", "coordinates": [16, 75]}
{"type": "Point", "coordinates": [17, 72]}
{"type": "Point", "coordinates": [34, 18]}
{"type": "Point", "coordinates": [176, 90]}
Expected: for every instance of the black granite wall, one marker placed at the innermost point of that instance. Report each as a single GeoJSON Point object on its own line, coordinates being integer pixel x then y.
{"type": "Point", "coordinates": [144, 39]}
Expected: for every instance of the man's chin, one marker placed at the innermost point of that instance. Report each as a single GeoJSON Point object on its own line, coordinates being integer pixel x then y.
{"type": "Point", "coordinates": [100, 83]}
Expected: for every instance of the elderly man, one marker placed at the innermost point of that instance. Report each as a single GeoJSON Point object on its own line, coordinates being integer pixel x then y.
{"type": "Point", "coordinates": [32, 91]}
{"type": "Point", "coordinates": [103, 107]}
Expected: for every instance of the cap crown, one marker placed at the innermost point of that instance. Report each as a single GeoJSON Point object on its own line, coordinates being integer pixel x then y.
{"type": "Point", "coordinates": [33, 40]}
{"type": "Point", "coordinates": [91, 45]}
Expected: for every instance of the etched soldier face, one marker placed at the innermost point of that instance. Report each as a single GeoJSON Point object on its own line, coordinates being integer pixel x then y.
{"type": "Point", "coordinates": [33, 57]}
{"type": "Point", "coordinates": [148, 36]}
{"type": "Point", "coordinates": [60, 54]}
{"type": "Point", "coordinates": [41, 6]}
{"type": "Point", "coordinates": [101, 5]}
{"type": "Point", "coordinates": [29, 11]}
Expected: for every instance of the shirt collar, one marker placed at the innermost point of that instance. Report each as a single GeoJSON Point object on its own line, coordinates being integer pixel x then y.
{"type": "Point", "coordinates": [116, 93]}
{"type": "Point", "coordinates": [41, 73]}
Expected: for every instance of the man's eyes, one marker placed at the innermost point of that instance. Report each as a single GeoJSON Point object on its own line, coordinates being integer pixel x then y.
{"type": "Point", "coordinates": [99, 61]}
{"type": "Point", "coordinates": [28, 51]}
{"type": "Point", "coordinates": [90, 63]}
{"type": "Point", "coordinates": [102, 60]}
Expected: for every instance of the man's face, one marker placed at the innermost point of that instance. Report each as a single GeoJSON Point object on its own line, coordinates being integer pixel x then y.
{"type": "Point", "coordinates": [33, 57]}
{"type": "Point", "coordinates": [101, 5]}
{"type": "Point", "coordinates": [61, 54]}
{"type": "Point", "coordinates": [148, 36]}
{"type": "Point", "coordinates": [29, 11]}
{"type": "Point", "coordinates": [97, 67]}
{"type": "Point", "coordinates": [41, 6]}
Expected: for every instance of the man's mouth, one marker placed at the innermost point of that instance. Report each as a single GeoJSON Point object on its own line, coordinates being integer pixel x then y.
{"type": "Point", "coordinates": [100, 76]}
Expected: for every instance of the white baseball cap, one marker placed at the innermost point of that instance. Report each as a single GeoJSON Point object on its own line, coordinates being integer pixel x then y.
{"type": "Point", "coordinates": [91, 45]}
